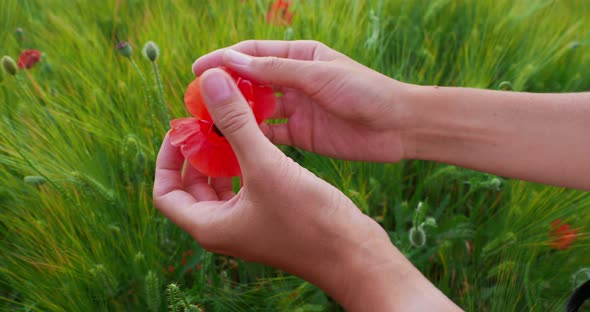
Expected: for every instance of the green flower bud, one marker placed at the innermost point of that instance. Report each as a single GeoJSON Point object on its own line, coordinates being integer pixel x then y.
{"type": "Point", "coordinates": [34, 180]}
{"type": "Point", "coordinates": [20, 34]}
{"type": "Point", "coordinates": [125, 49]}
{"type": "Point", "coordinates": [9, 65]}
{"type": "Point", "coordinates": [417, 236]}
{"type": "Point", "coordinates": [151, 51]}
{"type": "Point", "coordinates": [505, 85]}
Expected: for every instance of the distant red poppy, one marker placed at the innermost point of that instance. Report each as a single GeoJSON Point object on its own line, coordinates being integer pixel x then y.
{"type": "Point", "coordinates": [201, 143]}
{"type": "Point", "coordinates": [28, 58]}
{"type": "Point", "coordinates": [561, 235]}
{"type": "Point", "coordinates": [279, 14]}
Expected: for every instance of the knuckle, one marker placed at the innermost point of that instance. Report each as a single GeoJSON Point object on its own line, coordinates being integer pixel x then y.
{"type": "Point", "coordinates": [272, 63]}
{"type": "Point", "coordinates": [233, 119]}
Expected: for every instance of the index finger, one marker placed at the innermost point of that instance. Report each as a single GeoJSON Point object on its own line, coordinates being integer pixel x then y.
{"type": "Point", "coordinates": [305, 50]}
{"type": "Point", "coordinates": [169, 195]}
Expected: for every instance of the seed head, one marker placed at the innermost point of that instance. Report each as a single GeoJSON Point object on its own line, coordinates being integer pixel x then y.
{"type": "Point", "coordinates": [417, 236]}
{"type": "Point", "coordinates": [9, 65]}
{"type": "Point", "coordinates": [151, 51]}
{"type": "Point", "coordinates": [125, 49]}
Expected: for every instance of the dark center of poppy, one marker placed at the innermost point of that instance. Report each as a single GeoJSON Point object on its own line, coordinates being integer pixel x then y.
{"type": "Point", "coordinates": [217, 131]}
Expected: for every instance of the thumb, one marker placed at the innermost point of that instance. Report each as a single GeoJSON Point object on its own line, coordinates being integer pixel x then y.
{"type": "Point", "coordinates": [233, 117]}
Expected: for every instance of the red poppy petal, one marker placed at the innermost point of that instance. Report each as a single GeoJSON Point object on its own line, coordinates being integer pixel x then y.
{"type": "Point", "coordinates": [563, 228]}
{"type": "Point", "coordinates": [204, 148]}
{"type": "Point", "coordinates": [194, 101]}
{"type": "Point", "coordinates": [28, 58]}
{"type": "Point", "coordinates": [264, 103]}
{"type": "Point", "coordinates": [211, 160]}
{"type": "Point", "coordinates": [182, 129]}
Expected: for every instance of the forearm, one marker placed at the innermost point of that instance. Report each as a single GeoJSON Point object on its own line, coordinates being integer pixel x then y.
{"type": "Point", "coordinates": [384, 280]}
{"type": "Point", "coordinates": [375, 276]}
{"type": "Point", "coordinates": [536, 137]}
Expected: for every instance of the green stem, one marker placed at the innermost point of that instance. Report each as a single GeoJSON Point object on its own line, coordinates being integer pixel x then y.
{"type": "Point", "coordinates": [148, 98]}
{"type": "Point", "coordinates": [163, 107]}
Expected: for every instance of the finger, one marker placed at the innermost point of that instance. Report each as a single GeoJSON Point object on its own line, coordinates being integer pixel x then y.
{"type": "Point", "coordinates": [197, 184]}
{"type": "Point", "coordinates": [279, 109]}
{"type": "Point", "coordinates": [285, 72]}
{"type": "Point", "coordinates": [298, 50]}
{"type": "Point", "coordinates": [233, 117]}
{"type": "Point", "coordinates": [169, 196]}
{"type": "Point", "coordinates": [277, 133]}
{"type": "Point", "coordinates": [287, 103]}
{"type": "Point", "coordinates": [223, 187]}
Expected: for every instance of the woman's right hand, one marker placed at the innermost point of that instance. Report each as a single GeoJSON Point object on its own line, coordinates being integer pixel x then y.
{"type": "Point", "coordinates": [333, 105]}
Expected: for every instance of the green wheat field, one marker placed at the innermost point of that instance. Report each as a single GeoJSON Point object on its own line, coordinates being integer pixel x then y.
{"type": "Point", "coordinates": [79, 133]}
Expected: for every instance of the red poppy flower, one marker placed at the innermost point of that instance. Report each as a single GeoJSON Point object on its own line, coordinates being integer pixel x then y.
{"type": "Point", "coordinates": [561, 235]}
{"type": "Point", "coordinates": [279, 14]}
{"type": "Point", "coordinates": [201, 143]}
{"type": "Point", "coordinates": [29, 58]}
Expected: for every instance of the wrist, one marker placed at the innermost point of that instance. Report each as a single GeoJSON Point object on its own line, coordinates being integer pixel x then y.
{"type": "Point", "coordinates": [380, 278]}
{"type": "Point", "coordinates": [406, 101]}
{"type": "Point", "coordinates": [407, 111]}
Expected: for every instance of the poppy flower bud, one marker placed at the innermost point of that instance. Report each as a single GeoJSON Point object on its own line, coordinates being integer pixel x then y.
{"type": "Point", "coordinates": [125, 49]}
{"type": "Point", "coordinates": [151, 51]}
{"type": "Point", "coordinates": [505, 85]}
{"type": "Point", "coordinates": [417, 236]}
{"type": "Point", "coordinates": [20, 34]}
{"type": "Point", "coordinates": [9, 65]}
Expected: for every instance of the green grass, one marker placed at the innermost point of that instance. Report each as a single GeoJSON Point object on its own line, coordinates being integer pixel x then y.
{"type": "Point", "coordinates": [89, 237]}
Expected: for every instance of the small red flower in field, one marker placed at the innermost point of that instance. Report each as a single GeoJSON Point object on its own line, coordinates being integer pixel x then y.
{"type": "Point", "coordinates": [201, 143]}
{"type": "Point", "coordinates": [561, 235]}
{"type": "Point", "coordinates": [29, 58]}
{"type": "Point", "coordinates": [279, 14]}
{"type": "Point", "coordinates": [170, 269]}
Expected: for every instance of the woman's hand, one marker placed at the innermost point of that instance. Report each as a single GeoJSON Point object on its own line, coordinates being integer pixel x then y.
{"type": "Point", "coordinates": [284, 216]}
{"type": "Point", "coordinates": [332, 105]}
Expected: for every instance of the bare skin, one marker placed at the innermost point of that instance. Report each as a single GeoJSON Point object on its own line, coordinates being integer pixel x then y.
{"type": "Point", "coordinates": [339, 108]}
{"type": "Point", "coordinates": [286, 217]}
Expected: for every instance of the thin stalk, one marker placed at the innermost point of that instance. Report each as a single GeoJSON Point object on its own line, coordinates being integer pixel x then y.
{"type": "Point", "coordinates": [163, 108]}
{"type": "Point", "coordinates": [148, 97]}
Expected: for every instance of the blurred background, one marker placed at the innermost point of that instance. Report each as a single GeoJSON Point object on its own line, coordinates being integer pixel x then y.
{"type": "Point", "coordinates": [80, 126]}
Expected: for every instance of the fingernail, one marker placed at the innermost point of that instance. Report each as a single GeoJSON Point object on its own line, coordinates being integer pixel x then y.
{"type": "Point", "coordinates": [237, 57]}
{"type": "Point", "coordinates": [216, 86]}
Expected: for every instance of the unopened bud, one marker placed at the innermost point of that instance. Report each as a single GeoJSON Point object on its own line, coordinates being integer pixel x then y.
{"type": "Point", "coordinates": [417, 236]}
{"type": "Point", "coordinates": [9, 65]}
{"type": "Point", "coordinates": [505, 85]}
{"type": "Point", "coordinates": [20, 34]}
{"type": "Point", "coordinates": [151, 51]}
{"type": "Point", "coordinates": [34, 180]}
{"type": "Point", "coordinates": [125, 49]}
